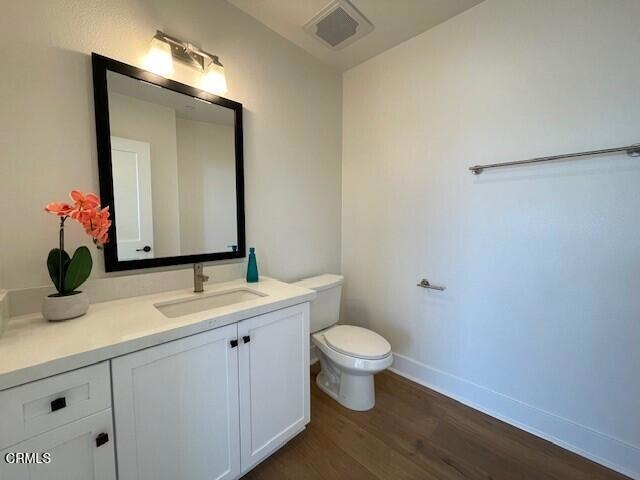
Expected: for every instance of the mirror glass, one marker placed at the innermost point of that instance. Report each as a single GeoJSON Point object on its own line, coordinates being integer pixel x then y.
{"type": "Point", "coordinates": [173, 161]}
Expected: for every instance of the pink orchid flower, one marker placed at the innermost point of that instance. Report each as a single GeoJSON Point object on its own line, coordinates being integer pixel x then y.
{"type": "Point", "coordinates": [96, 224]}
{"type": "Point", "coordinates": [86, 211]}
{"type": "Point", "coordinates": [88, 201]}
{"type": "Point", "coordinates": [60, 209]}
{"type": "Point", "coordinates": [84, 205]}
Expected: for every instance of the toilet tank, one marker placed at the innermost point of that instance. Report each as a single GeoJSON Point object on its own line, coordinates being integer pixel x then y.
{"type": "Point", "coordinates": [325, 309]}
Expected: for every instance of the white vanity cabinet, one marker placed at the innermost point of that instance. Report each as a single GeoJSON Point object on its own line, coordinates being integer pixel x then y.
{"type": "Point", "coordinates": [131, 392]}
{"type": "Point", "coordinates": [66, 416]}
{"type": "Point", "coordinates": [212, 405]}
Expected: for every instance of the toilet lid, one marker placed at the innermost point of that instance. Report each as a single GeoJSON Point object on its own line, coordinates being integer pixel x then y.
{"type": "Point", "coordinates": [357, 342]}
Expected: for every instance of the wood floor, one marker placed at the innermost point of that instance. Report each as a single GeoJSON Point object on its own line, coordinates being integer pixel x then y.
{"type": "Point", "coordinates": [416, 433]}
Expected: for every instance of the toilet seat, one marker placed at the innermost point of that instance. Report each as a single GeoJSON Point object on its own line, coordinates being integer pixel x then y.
{"type": "Point", "coordinates": [357, 342]}
{"type": "Point", "coordinates": [349, 363]}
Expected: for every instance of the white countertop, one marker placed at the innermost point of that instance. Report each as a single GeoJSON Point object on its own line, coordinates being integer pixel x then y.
{"type": "Point", "coordinates": [32, 348]}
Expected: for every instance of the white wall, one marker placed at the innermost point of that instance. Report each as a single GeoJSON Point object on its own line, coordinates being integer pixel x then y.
{"type": "Point", "coordinates": [47, 134]}
{"type": "Point", "coordinates": [540, 320]}
{"type": "Point", "coordinates": [156, 125]}
{"type": "Point", "coordinates": [207, 185]}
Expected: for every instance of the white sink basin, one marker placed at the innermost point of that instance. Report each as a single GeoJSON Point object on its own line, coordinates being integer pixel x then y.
{"type": "Point", "coordinates": [200, 303]}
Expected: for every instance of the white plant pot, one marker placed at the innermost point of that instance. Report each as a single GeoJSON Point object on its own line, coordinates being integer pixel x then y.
{"type": "Point", "coordinates": [56, 309]}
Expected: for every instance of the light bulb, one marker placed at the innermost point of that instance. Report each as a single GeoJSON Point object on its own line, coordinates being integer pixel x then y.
{"type": "Point", "coordinates": [214, 81]}
{"type": "Point", "coordinates": [159, 60]}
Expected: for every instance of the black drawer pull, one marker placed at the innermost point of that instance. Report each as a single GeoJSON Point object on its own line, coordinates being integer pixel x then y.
{"type": "Point", "coordinates": [58, 404]}
{"type": "Point", "coordinates": [102, 439]}
{"type": "Point", "coordinates": [234, 343]}
{"type": "Point", "coordinates": [246, 339]}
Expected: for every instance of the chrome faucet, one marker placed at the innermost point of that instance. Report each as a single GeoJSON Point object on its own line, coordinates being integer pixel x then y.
{"type": "Point", "coordinates": [198, 278]}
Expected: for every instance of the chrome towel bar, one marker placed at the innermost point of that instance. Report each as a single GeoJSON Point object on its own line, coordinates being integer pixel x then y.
{"type": "Point", "coordinates": [424, 283]}
{"type": "Point", "coordinates": [631, 150]}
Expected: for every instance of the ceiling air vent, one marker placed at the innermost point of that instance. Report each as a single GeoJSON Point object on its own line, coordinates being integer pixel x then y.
{"type": "Point", "coordinates": [338, 24]}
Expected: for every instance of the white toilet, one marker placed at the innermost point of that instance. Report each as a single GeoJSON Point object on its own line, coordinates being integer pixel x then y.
{"type": "Point", "coordinates": [349, 355]}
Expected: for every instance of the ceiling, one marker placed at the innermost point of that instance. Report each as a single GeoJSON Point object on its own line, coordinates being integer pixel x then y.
{"type": "Point", "coordinates": [394, 21]}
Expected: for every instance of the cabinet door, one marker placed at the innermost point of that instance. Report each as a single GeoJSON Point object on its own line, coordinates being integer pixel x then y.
{"type": "Point", "coordinates": [176, 409]}
{"type": "Point", "coordinates": [274, 380]}
{"type": "Point", "coordinates": [81, 450]}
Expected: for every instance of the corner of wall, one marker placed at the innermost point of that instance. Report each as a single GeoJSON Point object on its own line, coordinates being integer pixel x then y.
{"type": "Point", "coordinates": [4, 309]}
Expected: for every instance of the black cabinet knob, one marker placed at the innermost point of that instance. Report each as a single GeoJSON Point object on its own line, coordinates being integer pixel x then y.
{"type": "Point", "coordinates": [58, 404]}
{"type": "Point", "coordinates": [246, 339]}
{"type": "Point", "coordinates": [101, 439]}
{"type": "Point", "coordinates": [234, 343]}
{"type": "Point", "coordinates": [146, 248]}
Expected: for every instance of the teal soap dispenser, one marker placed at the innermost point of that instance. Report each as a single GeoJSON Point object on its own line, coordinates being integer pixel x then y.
{"type": "Point", "coordinates": [252, 268]}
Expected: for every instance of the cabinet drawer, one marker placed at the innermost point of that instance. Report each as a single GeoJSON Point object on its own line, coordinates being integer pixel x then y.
{"type": "Point", "coordinates": [40, 406]}
{"type": "Point", "coordinates": [81, 450]}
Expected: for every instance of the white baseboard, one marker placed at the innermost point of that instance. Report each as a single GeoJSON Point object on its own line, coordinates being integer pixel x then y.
{"type": "Point", "coordinates": [599, 447]}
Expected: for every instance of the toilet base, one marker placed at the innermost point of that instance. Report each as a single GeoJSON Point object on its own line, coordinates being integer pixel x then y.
{"type": "Point", "coordinates": [355, 392]}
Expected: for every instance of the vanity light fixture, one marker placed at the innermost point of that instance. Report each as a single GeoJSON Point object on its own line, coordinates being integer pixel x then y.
{"type": "Point", "coordinates": [159, 60]}
{"type": "Point", "coordinates": [214, 81]}
{"type": "Point", "coordinates": [165, 47]}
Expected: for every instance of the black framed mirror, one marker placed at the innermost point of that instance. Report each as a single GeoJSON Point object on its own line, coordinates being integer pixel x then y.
{"type": "Point", "coordinates": [170, 162]}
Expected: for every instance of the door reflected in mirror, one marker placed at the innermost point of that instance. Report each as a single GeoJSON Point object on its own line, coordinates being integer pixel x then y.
{"type": "Point", "coordinates": [173, 165]}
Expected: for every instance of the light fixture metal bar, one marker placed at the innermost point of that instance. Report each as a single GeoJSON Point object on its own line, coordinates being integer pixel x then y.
{"type": "Point", "coordinates": [188, 53]}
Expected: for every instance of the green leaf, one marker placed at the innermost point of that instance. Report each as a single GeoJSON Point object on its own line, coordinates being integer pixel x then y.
{"type": "Point", "coordinates": [78, 270]}
{"type": "Point", "coordinates": [53, 265]}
